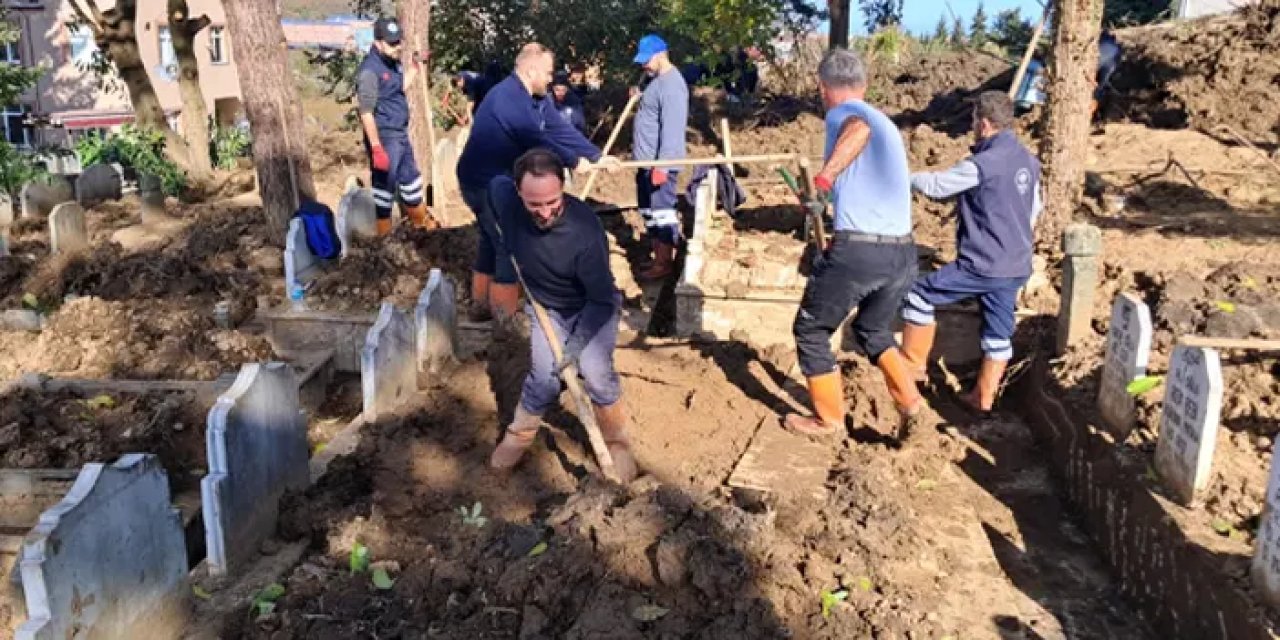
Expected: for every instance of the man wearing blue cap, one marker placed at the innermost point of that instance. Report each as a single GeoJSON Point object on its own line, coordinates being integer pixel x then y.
{"type": "Point", "coordinates": [659, 134]}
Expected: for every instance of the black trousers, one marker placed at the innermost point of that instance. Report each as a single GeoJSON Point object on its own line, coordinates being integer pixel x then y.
{"type": "Point", "coordinates": [872, 276]}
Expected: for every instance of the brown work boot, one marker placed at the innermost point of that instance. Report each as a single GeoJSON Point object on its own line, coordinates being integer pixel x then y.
{"type": "Point", "coordinates": [828, 407]}
{"type": "Point", "coordinates": [613, 426]}
{"type": "Point", "coordinates": [384, 226]}
{"type": "Point", "coordinates": [917, 342]}
{"type": "Point", "coordinates": [518, 438]}
{"type": "Point", "coordinates": [900, 379]}
{"type": "Point", "coordinates": [664, 263]}
{"type": "Point", "coordinates": [982, 398]}
{"type": "Point", "coordinates": [504, 299]}
{"type": "Point", "coordinates": [420, 216]}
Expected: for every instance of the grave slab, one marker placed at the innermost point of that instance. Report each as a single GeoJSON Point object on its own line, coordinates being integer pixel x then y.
{"type": "Point", "coordinates": [357, 216]}
{"type": "Point", "coordinates": [1128, 349]}
{"type": "Point", "coordinates": [98, 184]}
{"type": "Point", "coordinates": [6, 220]}
{"type": "Point", "coordinates": [435, 319]}
{"type": "Point", "coordinates": [1266, 557]}
{"type": "Point", "coordinates": [39, 199]}
{"type": "Point", "coordinates": [784, 463]}
{"type": "Point", "coordinates": [109, 559]}
{"type": "Point", "coordinates": [388, 362]}
{"type": "Point", "coordinates": [257, 450]}
{"type": "Point", "coordinates": [1189, 421]}
{"type": "Point", "coordinates": [68, 232]}
{"type": "Point", "coordinates": [300, 265]}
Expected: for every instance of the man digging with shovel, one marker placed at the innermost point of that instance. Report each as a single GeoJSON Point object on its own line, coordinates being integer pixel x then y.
{"type": "Point", "coordinates": [563, 257]}
{"type": "Point", "coordinates": [870, 262]}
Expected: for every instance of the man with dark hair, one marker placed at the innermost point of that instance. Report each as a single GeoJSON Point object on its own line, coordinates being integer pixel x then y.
{"type": "Point", "coordinates": [568, 104]}
{"type": "Point", "coordinates": [517, 115]}
{"type": "Point", "coordinates": [999, 200]}
{"type": "Point", "coordinates": [871, 261]}
{"type": "Point", "coordinates": [563, 254]}
{"type": "Point", "coordinates": [384, 116]}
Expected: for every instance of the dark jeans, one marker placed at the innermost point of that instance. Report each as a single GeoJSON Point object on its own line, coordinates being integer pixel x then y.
{"type": "Point", "coordinates": [403, 174]}
{"type": "Point", "coordinates": [487, 250]}
{"type": "Point", "coordinates": [998, 298]}
{"type": "Point", "coordinates": [872, 276]}
{"type": "Point", "coordinates": [658, 206]}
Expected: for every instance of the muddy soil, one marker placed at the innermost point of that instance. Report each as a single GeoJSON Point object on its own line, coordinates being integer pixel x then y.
{"type": "Point", "coordinates": [394, 269]}
{"type": "Point", "coordinates": [66, 430]}
{"type": "Point", "coordinates": [958, 534]}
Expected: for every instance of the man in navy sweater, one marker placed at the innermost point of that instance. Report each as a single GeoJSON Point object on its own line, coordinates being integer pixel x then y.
{"type": "Point", "coordinates": [998, 188]}
{"type": "Point", "coordinates": [563, 255]}
{"type": "Point", "coordinates": [517, 115]}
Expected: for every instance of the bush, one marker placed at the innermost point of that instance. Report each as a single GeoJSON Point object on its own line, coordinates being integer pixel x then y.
{"type": "Point", "coordinates": [140, 149]}
{"type": "Point", "coordinates": [17, 169]}
{"type": "Point", "coordinates": [230, 144]}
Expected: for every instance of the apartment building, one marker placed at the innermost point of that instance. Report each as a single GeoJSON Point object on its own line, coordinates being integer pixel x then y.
{"type": "Point", "coordinates": [70, 100]}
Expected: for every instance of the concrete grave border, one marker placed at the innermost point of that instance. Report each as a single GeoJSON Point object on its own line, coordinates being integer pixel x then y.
{"type": "Point", "coordinates": [300, 265]}
{"type": "Point", "coordinates": [435, 320]}
{"type": "Point", "coordinates": [388, 362]}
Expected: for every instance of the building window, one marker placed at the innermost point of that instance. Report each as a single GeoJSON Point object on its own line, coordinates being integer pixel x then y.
{"type": "Point", "coordinates": [82, 44]}
{"type": "Point", "coordinates": [217, 46]}
{"type": "Point", "coordinates": [168, 59]}
{"type": "Point", "coordinates": [16, 131]}
{"type": "Point", "coordinates": [12, 52]}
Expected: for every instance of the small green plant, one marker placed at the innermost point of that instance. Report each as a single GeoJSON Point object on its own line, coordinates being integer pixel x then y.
{"type": "Point", "coordinates": [229, 145]}
{"type": "Point", "coordinates": [264, 602]}
{"type": "Point", "coordinates": [831, 599]}
{"type": "Point", "coordinates": [359, 560]}
{"type": "Point", "coordinates": [537, 550]}
{"type": "Point", "coordinates": [102, 401]}
{"type": "Point", "coordinates": [381, 580]}
{"type": "Point", "coordinates": [649, 613]}
{"type": "Point", "coordinates": [472, 517]}
{"type": "Point", "coordinates": [1143, 384]}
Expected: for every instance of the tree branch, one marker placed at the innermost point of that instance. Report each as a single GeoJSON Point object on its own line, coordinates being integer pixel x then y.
{"type": "Point", "coordinates": [194, 26]}
{"type": "Point", "coordinates": [94, 22]}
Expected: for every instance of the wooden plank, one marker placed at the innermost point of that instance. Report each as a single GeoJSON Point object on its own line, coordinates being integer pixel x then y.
{"type": "Point", "coordinates": [1234, 344]}
{"type": "Point", "coordinates": [691, 162]}
{"type": "Point", "coordinates": [778, 461]}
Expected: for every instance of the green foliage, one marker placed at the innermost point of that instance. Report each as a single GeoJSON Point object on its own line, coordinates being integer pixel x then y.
{"type": "Point", "coordinates": [17, 168]}
{"type": "Point", "coordinates": [957, 33]}
{"type": "Point", "coordinates": [1141, 385]}
{"type": "Point", "coordinates": [1011, 31]}
{"type": "Point", "coordinates": [264, 602]}
{"type": "Point", "coordinates": [831, 599]}
{"type": "Point", "coordinates": [140, 149]}
{"type": "Point", "coordinates": [1120, 13]}
{"type": "Point", "coordinates": [940, 31]}
{"type": "Point", "coordinates": [889, 44]}
{"type": "Point", "coordinates": [881, 13]}
{"type": "Point", "coordinates": [336, 72]}
{"type": "Point", "coordinates": [978, 28]}
{"type": "Point", "coordinates": [230, 144]}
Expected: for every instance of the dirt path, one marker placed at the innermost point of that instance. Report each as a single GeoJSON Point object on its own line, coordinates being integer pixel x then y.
{"type": "Point", "coordinates": [954, 536]}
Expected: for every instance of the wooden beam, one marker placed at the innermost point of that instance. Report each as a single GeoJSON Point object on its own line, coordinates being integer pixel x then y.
{"type": "Point", "coordinates": [1230, 344]}
{"type": "Point", "coordinates": [691, 162]}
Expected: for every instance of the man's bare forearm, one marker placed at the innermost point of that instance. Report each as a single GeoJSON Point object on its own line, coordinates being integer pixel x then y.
{"type": "Point", "coordinates": [854, 136]}
{"type": "Point", "coordinates": [370, 129]}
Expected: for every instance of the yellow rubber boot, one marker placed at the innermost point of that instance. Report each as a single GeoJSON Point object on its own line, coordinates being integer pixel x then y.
{"type": "Point", "coordinates": [518, 438]}
{"type": "Point", "coordinates": [613, 426]}
{"type": "Point", "coordinates": [828, 407]}
{"type": "Point", "coordinates": [902, 386]}
{"type": "Point", "coordinates": [384, 226]}
{"type": "Point", "coordinates": [917, 342]}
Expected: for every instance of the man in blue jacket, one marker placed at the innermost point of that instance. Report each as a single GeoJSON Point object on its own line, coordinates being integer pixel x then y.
{"type": "Point", "coordinates": [564, 258]}
{"type": "Point", "coordinates": [998, 191]}
{"type": "Point", "coordinates": [384, 116]}
{"type": "Point", "coordinates": [517, 115]}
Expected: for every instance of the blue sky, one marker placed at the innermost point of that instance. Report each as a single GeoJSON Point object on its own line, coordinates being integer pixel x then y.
{"type": "Point", "coordinates": [921, 16]}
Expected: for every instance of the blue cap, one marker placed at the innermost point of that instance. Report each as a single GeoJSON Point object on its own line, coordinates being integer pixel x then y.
{"type": "Point", "coordinates": [650, 46]}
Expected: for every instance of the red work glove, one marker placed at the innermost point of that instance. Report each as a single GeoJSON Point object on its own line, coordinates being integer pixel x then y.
{"type": "Point", "coordinates": [823, 184]}
{"type": "Point", "coordinates": [658, 177]}
{"type": "Point", "coordinates": [381, 162]}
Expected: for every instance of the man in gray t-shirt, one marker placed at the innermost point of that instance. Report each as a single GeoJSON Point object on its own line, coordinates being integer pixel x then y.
{"type": "Point", "coordinates": [659, 134]}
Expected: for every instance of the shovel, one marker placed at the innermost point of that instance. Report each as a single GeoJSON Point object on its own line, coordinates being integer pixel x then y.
{"type": "Point", "coordinates": [814, 228]}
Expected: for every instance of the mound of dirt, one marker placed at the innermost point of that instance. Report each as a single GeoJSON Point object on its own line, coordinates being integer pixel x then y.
{"type": "Point", "coordinates": [1206, 73]}
{"type": "Point", "coordinates": [163, 339]}
{"type": "Point", "coordinates": [66, 430]}
{"type": "Point", "coordinates": [395, 268]}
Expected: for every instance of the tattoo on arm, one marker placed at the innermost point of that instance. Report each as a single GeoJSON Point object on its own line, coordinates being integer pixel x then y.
{"type": "Point", "coordinates": [855, 133]}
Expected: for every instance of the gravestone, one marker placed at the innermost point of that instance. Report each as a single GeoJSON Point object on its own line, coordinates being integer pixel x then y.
{"type": "Point", "coordinates": [151, 194]}
{"type": "Point", "coordinates": [435, 319]}
{"type": "Point", "coordinates": [39, 199]}
{"type": "Point", "coordinates": [6, 221]}
{"type": "Point", "coordinates": [109, 559]}
{"type": "Point", "coordinates": [1266, 555]}
{"type": "Point", "coordinates": [68, 232]}
{"type": "Point", "coordinates": [257, 448]}
{"type": "Point", "coordinates": [1189, 421]}
{"type": "Point", "coordinates": [98, 184]}
{"type": "Point", "coordinates": [1128, 348]}
{"type": "Point", "coordinates": [357, 216]}
{"type": "Point", "coordinates": [300, 265]}
{"type": "Point", "coordinates": [388, 362]}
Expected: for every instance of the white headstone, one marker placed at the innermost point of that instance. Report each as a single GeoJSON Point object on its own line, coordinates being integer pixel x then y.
{"type": "Point", "coordinates": [38, 199]}
{"type": "Point", "coordinates": [436, 319]}
{"type": "Point", "coordinates": [1128, 348]}
{"type": "Point", "coordinates": [357, 216]}
{"type": "Point", "coordinates": [68, 231]}
{"type": "Point", "coordinates": [1189, 421]}
{"type": "Point", "coordinates": [99, 183]}
{"type": "Point", "coordinates": [109, 559]}
{"type": "Point", "coordinates": [6, 220]}
{"type": "Point", "coordinates": [1266, 555]}
{"type": "Point", "coordinates": [300, 265]}
{"type": "Point", "coordinates": [257, 447]}
{"type": "Point", "coordinates": [388, 362]}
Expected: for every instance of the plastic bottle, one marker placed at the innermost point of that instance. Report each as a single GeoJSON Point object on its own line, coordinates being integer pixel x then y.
{"type": "Point", "coordinates": [296, 293]}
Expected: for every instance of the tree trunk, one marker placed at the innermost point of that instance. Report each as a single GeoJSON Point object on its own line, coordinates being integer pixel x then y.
{"type": "Point", "coordinates": [1071, 75]}
{"type": "Point", "coordinates": [274, 110]}
{"type": "Point", "coordinates": [839, 37]}
{"type": "Point", "coordinates": [195, 116]}
{"type": "Point", "coordinates": [415, 20]}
